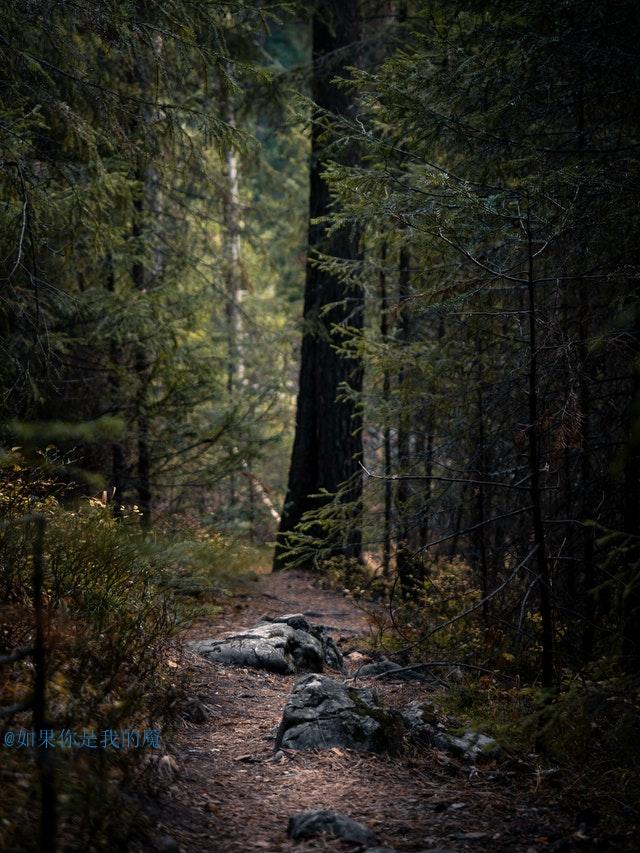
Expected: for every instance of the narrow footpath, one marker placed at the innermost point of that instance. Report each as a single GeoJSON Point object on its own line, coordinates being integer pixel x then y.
{"type": "Point", "coordinates": [227, 792]}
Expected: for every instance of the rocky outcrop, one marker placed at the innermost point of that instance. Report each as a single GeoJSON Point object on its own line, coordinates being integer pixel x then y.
{"type": "Point", "coordinates": [310, 824]}
{"type": "Point", "coordinates": [323, 713]}
{"type": "Point", "coordinates": [390, 670]}
{"type": "Point", "coordinates": [285, 644]}
{"type": "Point", "coordinates": [422, 722]}
{"type": "Point", "coordinates": [471, 745]}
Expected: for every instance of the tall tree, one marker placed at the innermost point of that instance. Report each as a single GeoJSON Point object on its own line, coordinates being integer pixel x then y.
{"type": "Point", "coordinates": [328, 439]}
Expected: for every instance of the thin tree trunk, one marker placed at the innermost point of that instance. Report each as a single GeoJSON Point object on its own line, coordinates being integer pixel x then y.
{"type": "Point", "coordinates": [544, 578]}
{"type": "Point", "coordinates": [142, 372]}
{"type": "Point", "coordinates": [480, 536]}
{"type": "Point", "coordinates": [118, 461]}
{"type": "Point", "coordinates": [44, 755]}
{"type": "Point", "coordinates": [231, 221]}
{"type": "Point", "coordinates": [386, 395]}
{"type": "Point", "coordinates": [631, 600]}
{"type": "Point", "coordinates": [404, 561]}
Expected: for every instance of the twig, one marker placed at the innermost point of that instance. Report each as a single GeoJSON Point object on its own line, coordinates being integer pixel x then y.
{"type": "Point", "coordinates": [474, 607]}
{"type": "Point", "coordinates": [442, 480]}
{"type": "Point", "coordinates": [10, 710]}
{"type": "Point", "coordinates": [473, 527]}
{"type": "Point", "coordinates": [16, 655]}
{"type": "Point", "coordinates": [438, 664]}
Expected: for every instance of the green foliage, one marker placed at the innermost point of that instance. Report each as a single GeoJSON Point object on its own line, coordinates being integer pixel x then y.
{"type": "Point", "coordinates": [112, 615]}
{"type": "Point", "coordinates": [114, 239]}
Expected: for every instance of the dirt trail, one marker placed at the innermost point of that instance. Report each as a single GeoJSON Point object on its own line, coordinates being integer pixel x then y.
{"type": "Point", "coordinates": [229, 795]}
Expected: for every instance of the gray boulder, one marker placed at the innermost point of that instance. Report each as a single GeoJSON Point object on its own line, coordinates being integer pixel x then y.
{"type": "Point", "coordinates": [332, 654]}
{"type": "Point", "coordinates": [323, 713]}
{"type": "Point", "coordinates": [470, 746]}
{"type": "Point", "coordinates": [283, 645]}
{"type": "Point", "coordinates": [391, 670]}
{"type": "Point", "coordinates": [309, 824]}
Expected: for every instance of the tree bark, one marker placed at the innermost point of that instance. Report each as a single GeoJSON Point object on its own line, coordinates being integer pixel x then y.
{"type": "Point", "coordinates": [404, 561]}
{"type": "Point", "coordinates": [328, 440]}
{"type": "Point", "coordinates": [386, 394]}
{"type": "Point", "coordinates": [544, 577]}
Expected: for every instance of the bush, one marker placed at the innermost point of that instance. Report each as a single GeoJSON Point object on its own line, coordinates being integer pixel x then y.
{"type": "Point", "coordinates": [111, 616]}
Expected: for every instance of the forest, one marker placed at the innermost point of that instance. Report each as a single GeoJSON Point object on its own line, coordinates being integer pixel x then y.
{"type": "Point", "coordinates": [319, 425]}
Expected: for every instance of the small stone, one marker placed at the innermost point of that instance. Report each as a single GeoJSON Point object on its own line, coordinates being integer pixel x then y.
{"type": "Point", "coordinates": [195, 711]}
{"type": "Point", "coordinates": [471, 745]}
{"type": "Point", "coordinates": [309, 824]}
{"type": "Point", "coordinates": [379, 850]}
{"type": "Point", "coordinates": [456, 675]}
{"type": "Point", "coordinates": [167, 844]}
{"type": "Point", "coordinates": [469, 836]}
{"type": "Point", "coordinates": [420, 713]}
{"type": "Point", "coordinates": [396, 672]}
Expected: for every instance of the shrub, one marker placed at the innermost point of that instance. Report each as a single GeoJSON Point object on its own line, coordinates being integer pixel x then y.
{"type": "Point", "coordinates": [111, 617]}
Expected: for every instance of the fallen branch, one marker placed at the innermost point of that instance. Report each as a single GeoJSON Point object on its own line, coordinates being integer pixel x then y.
{"type": "Point", "coordinates": [439, 664]}
{"type": "Point", "coordinates": [16, 655]}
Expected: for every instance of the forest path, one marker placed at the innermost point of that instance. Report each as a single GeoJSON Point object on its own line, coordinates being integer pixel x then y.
{"type": "Point", "coordinates": [229, 794]}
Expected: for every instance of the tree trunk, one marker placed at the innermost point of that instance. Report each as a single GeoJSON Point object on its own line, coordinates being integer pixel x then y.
{"type": "Point", "coordinates": [232, 272]}
{"type": "Point", "coordinates": [118, 459]}
{"type": "Point", "coordinates": [142, 373]}
{"type": "Point", "coordinates": [544, 578]}
{"type": "Point", "coordinates": [328, 440]}
{"type": "Point", "coordinates": [386, 394]}
{"type": "Point", "coordinates": [404, 560]}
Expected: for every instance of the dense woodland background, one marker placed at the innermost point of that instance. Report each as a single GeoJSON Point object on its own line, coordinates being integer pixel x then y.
{"type": "Point", "coordinates": [361, 276]}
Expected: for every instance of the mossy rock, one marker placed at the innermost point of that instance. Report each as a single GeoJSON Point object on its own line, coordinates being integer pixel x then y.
{"type": "Point", "coordinates": [323, 713]}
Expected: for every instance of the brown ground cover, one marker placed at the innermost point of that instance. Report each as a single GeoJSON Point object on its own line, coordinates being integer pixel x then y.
{"type": "Point", "coordinates": [227, 792]}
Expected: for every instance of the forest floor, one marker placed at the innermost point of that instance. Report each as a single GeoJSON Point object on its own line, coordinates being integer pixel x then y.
{"type": "Point", "coordinates": [226, 792]}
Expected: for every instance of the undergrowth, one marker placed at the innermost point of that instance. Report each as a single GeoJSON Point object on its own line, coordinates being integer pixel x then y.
{"type": "Point", "coordinates": [114, 601]}
{"type": "Point", "coordinates": [582, 736]}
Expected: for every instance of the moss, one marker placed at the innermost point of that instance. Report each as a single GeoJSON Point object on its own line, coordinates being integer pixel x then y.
{"type": "Point", "coordinates": [391, 727]}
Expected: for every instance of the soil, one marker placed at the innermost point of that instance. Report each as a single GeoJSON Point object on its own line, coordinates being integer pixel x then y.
{"type": "Point", "coordinates": [226, 792]}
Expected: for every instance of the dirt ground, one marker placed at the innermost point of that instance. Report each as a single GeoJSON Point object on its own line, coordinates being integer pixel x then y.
{"type": "Point", "coordinates": [226, 792]}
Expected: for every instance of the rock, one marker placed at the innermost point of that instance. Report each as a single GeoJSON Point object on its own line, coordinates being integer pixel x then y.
{"type": "Point", "coordinates": [195, 710]}
{"type": "Point", "coordinates": [385, 665]}
{"type": "Point", "coordinates": [471, 745]}
{"type": "Point", "coordinates": [167, 844]}
{"type": "Point", "coordinates": [309, 824]}
{"type": "Point", "coordinates": [323, 713]}
{"type": "Point", "coordinates": [421, 718]}
{"type": "Point", "coordinates": [332, 654]}
{"type": "Point", "coordinates": [356, 658]}
{"type": "Point", "coordinates": [419, 714]}
{"type": "Point", "coordinates": [455, 674]}
{"type": "Point", "coordinates": [284, 645]}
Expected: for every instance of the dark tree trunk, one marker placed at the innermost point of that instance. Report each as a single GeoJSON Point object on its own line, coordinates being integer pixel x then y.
{"type": "Point", "coordinates": [631, 600]}
{"type": "Point", "coordinates": [544, 576]}
{"type": "Point", "coordinates": [328, 440]}
{"type": "Point", "coordinates": [479, 535]}
{"type": "Point", "coordinates": [141, 367]}
{"type": "Point", "coordinates": [118, 459]}
{"type": "Point", "coordinates": [404, 559]}
{"type": "Point", "coordinates": [386, 394]}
